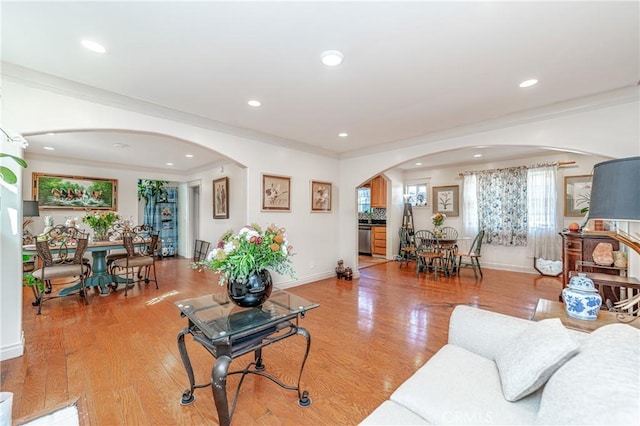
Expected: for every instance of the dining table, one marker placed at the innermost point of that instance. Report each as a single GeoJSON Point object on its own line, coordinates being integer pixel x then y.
{"type": "Point", "coordinates": [448, 247]}
{"type": "Point", "coordinates": [100, 276]}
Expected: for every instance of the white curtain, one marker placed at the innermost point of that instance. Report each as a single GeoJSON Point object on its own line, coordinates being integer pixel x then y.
{"type": "Point", "coordinates": [469, 206]}
{"type": "Point", "coordinates": [543, 240]}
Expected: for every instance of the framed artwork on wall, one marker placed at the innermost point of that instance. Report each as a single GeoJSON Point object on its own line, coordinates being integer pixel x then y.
{"type": "Point", "coordinates": [74, 192]}
{"type": "Point", "coordinates": [276, 193]}
{"type": "Point", "coordinates": [446, 200]}
{"type": "Point", "coordinates": [577, 194]}
{"type": "Point", "coordinates": [221, 198]}
{"type": "Point", "coordinates": [321, 196]}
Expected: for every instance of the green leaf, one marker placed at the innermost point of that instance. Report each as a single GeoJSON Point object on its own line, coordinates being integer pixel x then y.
{"type": "Point", "coordinates": [8, 176]}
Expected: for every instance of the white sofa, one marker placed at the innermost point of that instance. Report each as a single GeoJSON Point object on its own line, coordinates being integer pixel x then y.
{"type": "Point", "coordinates": [594, 378]}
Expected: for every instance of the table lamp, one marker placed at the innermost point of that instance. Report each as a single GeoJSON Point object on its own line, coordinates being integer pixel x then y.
{"type": "Point", "coordinates": [615, 195]}
{"type": "Point", "coordinates": [29, 209]}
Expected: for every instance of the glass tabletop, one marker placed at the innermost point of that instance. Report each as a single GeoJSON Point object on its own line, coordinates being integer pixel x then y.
{"type": "Point", "coordinates": [218, 318]}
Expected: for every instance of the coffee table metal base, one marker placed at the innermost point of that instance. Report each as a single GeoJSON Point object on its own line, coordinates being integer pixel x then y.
{"type": "Point", "coordinates": [224, 352]}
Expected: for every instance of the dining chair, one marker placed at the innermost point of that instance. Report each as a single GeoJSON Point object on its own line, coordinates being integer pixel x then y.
{"type": "Point", "coordinates": [139, 256]}
{"type": "Point", "coordinates": [201, 250]}
{"type": "Point", "coordinates": [472, 258]}
{"type": "Point", "coordinates": [140, 234]}
{"type": "Point", "coordinates": [429, 253]}
{"type": "Point", "coordinates": [407, 247]}
{"type": "Point", "coordinates": [61, 252]}
{"type": "Point", "coordinates": [448, 233]}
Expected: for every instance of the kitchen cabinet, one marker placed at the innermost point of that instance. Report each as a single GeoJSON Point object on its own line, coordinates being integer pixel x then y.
{"type": "Point", "coordinates": [378, 192]}
{"type": "Point", "coordinates": [379, 240]}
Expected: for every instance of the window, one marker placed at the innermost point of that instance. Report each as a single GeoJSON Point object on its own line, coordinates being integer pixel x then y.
{"type": "Point", "coordinates": [364, 200]}
{"type": "Point", "coordinates": [418, 194]}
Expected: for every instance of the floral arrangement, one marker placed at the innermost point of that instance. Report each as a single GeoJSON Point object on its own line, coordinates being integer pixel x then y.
{"type": "Point", "coordinates": [438, 219]}
{"type": "Point", "coordinates": [100, 221]}
{"type": "Point", "coordinates": [250, 250]}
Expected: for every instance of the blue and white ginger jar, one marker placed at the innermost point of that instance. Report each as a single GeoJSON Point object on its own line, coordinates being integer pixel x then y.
{"type": "Point", "coordinates": [581, 298]}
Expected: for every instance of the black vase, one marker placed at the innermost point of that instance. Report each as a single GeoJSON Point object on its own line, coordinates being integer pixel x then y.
{"type": "Point", "coordinates": [253, 291]}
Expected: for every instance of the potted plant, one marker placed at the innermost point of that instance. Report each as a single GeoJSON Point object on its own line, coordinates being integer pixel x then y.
{"type": "Point", "coordinates": [243, 261]}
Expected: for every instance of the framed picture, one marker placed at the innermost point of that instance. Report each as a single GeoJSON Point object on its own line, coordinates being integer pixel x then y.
{"type": "Point", "coordinates": [75, 192]}
{"type": "Point", "coordinates": [446, 200]}
{"type": "Point", "coordinates": [276, 193]}
{"type": "Point", "coordinates": [221, 198]}
{"type": "Point", "coordinates": [321, 195]}
{"type": "Point", "coordinates": [577, 194]}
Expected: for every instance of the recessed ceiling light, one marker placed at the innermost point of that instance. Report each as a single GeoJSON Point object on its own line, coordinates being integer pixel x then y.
{"type": "Point", "coordinates": [528, 83]}
{"type": "Point", "coordinates": [477, 155]}
{"type": "Point", "coordinates": [254, 103]}
{"type": "Point", "coordinates": [332, 58]}
{"type": "Point", "coordinates": [49, 148]}
{"type": "Point", "coordinates": [343, 134]}
{"type": "Point", "coordinates": [51, 134]}
{"type": "Point", "coordinates": [189, 155]}
{"type": "Point", "coordinates": [418, 164]}
{"type": "Point", "coordinates": [169, 164]}
{"type": "Point", "coordinates": [94, 46]}
{"type": "Point", "coordinates": [120, 145]}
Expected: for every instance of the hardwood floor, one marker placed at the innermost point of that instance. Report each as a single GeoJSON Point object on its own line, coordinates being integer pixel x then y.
{"type": "Point", "coordinates": [368, 335]}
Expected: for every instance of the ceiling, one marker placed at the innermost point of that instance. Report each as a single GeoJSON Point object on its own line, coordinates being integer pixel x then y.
{"type": "Point", "coordinates": [411, 70]}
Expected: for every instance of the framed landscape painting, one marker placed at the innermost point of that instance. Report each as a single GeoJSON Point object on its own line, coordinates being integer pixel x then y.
{"type": "Point", "coordinates": [276, 193]}
{"type": "Point", "coordinates": [446, 200]}
{"type": "Point", "coordinates": [321, 196]}
{"type": "Point", "coordinates": [75, 192]}
{"type": "Point", "coordinates": [221, 198]}
{"type": "Point", "coordinates": [577, 194]}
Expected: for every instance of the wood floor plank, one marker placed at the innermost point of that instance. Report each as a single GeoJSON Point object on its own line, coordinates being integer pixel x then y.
{"type": "Point", "coordinates": [367, 337]}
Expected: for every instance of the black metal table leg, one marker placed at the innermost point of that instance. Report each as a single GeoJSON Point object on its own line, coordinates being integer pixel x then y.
{"type": "Point", "coordinates": [219, 389]}
{"type": "Point", "coordinates": [188, 396]}
{"type": "Point", "coordinates": [303, 397]}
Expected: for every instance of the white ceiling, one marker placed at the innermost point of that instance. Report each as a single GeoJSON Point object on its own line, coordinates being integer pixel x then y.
{"type": "Point", "coordinates": [411, 69]}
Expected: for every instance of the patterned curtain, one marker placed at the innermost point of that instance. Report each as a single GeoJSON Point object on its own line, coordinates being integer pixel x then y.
{"type": "Point", "coordinates": [502, 205]}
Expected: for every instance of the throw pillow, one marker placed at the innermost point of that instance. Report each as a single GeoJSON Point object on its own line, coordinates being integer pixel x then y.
{"type": "Point", "coordinates": [526, 362]}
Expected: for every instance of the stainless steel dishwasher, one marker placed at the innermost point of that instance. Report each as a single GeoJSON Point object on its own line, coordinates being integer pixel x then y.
{"type": "Point", "coordinates": [364, 239]}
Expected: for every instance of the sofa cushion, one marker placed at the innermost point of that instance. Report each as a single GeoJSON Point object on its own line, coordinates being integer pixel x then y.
{"type": "Point", "coordinates": [391, 413]}
{"type": "Point", "coordinates": [457, 386]}
{"type": "Point", "coordinates": [526, 362]}
{"type": "Point", "coordinates": [599, 385]}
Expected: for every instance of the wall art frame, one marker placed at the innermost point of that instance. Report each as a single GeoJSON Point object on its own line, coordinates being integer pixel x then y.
{"type": "Point", "coordinates": [446, 200]}
{"type": "Point", "coordinates": [321, 196]}
{"type": "Point", "coordinates": [68, 192]}
{"type": "Point", "coordinates": [276, 193]}
{"type": "Point", "coordinates": [577, 194]}
{"type": "Point", "coordinates": [221, 198]}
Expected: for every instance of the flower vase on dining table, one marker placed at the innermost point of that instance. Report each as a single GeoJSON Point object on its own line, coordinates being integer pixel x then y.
{"type": "Point", "coordinates": [437, 231]}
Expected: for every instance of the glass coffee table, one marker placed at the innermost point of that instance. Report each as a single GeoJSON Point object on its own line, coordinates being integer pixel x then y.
{"type": "Point", "coordinates": [227, 331]}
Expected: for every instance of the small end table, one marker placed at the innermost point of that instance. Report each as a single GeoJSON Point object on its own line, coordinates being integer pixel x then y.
{"type": "Point", "coordinates": [546, 309]}
{"type": "Point", "coordinates": [227, 331]}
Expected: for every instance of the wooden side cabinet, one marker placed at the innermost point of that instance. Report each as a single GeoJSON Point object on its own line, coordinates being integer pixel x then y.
{"type": "Point", "coordinates": [379, 240]}
{"type": "Point", "coordinates": [378, 192]}
{"type": "Point", "coordinates": [577, 254]}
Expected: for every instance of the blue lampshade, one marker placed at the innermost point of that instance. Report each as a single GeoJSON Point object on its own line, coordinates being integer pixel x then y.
{"type": "Point", "coordinates": [615, 190]}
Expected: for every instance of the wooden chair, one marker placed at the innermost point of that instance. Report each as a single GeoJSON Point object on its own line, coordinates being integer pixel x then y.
{"type": "Point", "coordinates": [472, 259]}
{"type": "Point", "coordinates": [429, 253]}
{"type": "Point", "coordinates": [142, 258]}
{"type": "Point", "coordinates": [201, 250]}
{"type": "Point", "coordinates": [69, 245]}
{"type": "Point", "coordinates": [407, 247]}
{"type": "Point", "coordinates": [449, 233]}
